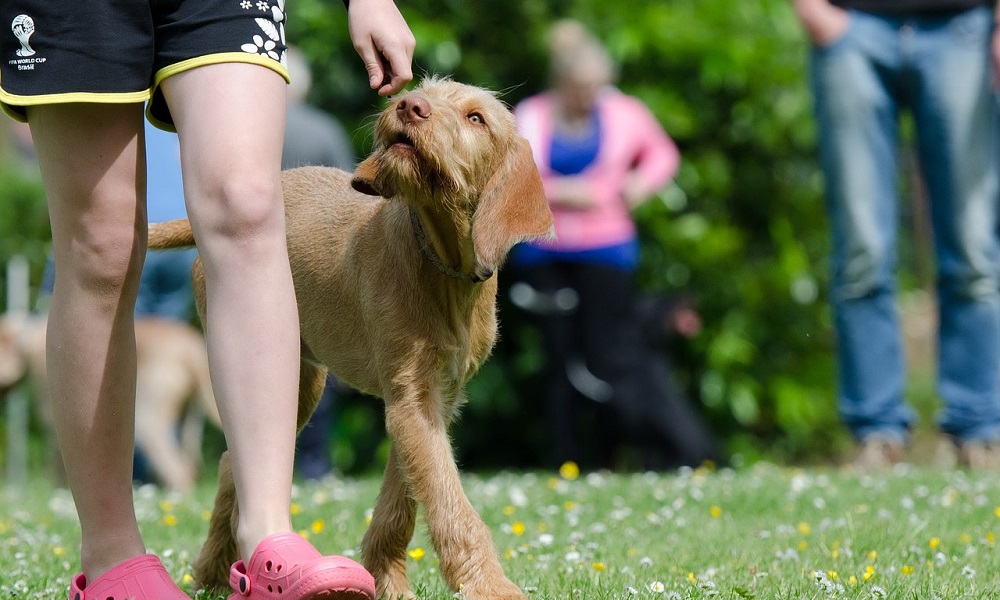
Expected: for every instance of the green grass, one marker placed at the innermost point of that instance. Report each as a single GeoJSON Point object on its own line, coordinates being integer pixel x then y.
{"type": "Point", "coordinates": [760, 532]}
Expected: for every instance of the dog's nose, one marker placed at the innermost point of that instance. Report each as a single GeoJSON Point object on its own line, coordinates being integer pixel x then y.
{"type": "Point", "coordinates": [413, 108]}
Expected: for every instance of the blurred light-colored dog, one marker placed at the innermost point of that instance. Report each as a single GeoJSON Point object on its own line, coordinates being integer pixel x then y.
{"type": "Point", "coordinates": [397, 297]}
{"type": "Point", "coordinates": [173, 391]}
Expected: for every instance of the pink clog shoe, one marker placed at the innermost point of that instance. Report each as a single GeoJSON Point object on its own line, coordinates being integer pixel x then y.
{"type": "Point", "coordinates": [287, 567]}
{"type": "Point", "coordinates": [140, 578]}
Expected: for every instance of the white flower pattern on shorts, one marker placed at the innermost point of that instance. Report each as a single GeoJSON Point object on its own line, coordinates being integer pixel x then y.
{"type": "Point", "coordinates": [273, 30]}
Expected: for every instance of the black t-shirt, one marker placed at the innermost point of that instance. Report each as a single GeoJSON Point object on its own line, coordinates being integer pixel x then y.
{"type": "Point", "coordinates": [904, 6]}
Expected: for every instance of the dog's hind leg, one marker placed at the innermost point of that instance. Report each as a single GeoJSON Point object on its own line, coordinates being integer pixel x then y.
{"type": "Point", "coordinates": [384, 546]}
{"type": "Point", "coordinates": [417, 423]}
{"type": "Point", "coordinates": [311, 382]}
{"type": "Point", "coordinates": [211, 568]}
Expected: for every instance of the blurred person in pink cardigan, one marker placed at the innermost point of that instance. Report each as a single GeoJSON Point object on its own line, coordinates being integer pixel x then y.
{"type": "Point", "coordinates": [601, 153]}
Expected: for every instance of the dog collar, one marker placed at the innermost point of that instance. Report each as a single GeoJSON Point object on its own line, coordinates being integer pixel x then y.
{"type": "Point", "coordinates": [418, 232]}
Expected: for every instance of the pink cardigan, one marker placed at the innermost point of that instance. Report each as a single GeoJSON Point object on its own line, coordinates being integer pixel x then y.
{"type": "Point", "coordinates": [631, 140]}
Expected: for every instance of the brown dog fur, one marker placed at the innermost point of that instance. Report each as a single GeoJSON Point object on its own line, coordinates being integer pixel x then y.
{"type": "Point", "coordinates": [397, 297]}
{"type": "Point", "coordinates": [172, 374]}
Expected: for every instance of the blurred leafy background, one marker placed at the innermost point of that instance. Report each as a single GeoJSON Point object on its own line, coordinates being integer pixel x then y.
{"type": "Point", "coordinates": [742, 230]}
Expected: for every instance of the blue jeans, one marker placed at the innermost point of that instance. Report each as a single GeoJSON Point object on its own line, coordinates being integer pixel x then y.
{"type": "Point", "coordinates": [937, 67]}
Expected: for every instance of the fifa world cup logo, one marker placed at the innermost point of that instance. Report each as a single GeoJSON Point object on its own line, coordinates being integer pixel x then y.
{"type": "Point", "coordinates": [23, 26]}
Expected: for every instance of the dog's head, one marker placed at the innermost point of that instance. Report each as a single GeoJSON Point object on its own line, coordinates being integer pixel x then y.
{"type": "Point", "coordinates": [457, 145]}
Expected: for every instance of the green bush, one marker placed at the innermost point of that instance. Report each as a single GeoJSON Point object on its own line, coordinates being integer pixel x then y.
{"type": "Point", "coordinates": [24, 223]}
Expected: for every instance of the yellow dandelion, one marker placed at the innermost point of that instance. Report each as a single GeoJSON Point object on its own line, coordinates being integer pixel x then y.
{"type": "Point", "coordinates": [991, 538]}
{"type": "Point", "coordinates": [834, 553]}
{"type": "Point", "coordinates": [569, 470]}
{"type": "Point", "coordinates": [187, 579]}
{"type": "Point", "coordinates": [553, 483]}
{"type": "Point", "coordinates": [803, 545]}
{"type": "Point", "coordinates": [852, 580]}
{"type": "Point", "coordinates": [965, 538]}
{"type": "Point", "coordinates": [872, 555]}
{"type": "Point", "coordinates": [166, 506]}
{"type": "Point", "coordinates": [569, 505]}
{"type": "Point", "coordinates": [692, 578]}
{"type": "Point", "coordinates": [417, 553]}
{"type": "Point", "coordinates": [296, 509]}
{"type": "Point", "coordinates": [869, 573]}
{"type": "Point", "coordinates": [599, 566]}
{"type": "Point", "coordinates": [996, 511]}
{"type": "Point", "coordinates": [832, 574]}
{"type": "Point", "coordinates": [59, 551]}
{"type": "Point", "coordinates": [715, 511]}
{"type": "Point", "coordinates": [318, 526]}
{"type": "Point", "coordinates": [509, 510]}
{"type": "Point", "coordinates": [508, 553]}
{"type": "Point", "coordinates": [517, 528]}
{"type": "Point", "coordinates": [169, 520]}
{"type": "Point", "coordinates": [803, 528]}
{"type": "Point", "coordinates": [934, 543]}
{"type": "Point", "coordinates": [906, 570]}
{"type": "Point", "coordinates": [304, 533]}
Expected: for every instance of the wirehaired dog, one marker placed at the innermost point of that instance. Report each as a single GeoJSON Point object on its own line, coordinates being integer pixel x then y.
{"type": "Point", "coordinates": [397, 297]}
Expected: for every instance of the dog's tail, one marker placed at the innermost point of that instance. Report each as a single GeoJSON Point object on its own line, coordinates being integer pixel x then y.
{"type": "Point", "coordinates": [171, 235]}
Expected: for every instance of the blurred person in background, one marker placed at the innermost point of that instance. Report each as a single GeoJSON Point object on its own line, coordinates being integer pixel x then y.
{"type": "Point", "coordinates": [872, 59]}
{"type": "Point", "coordinates": [601, 153]}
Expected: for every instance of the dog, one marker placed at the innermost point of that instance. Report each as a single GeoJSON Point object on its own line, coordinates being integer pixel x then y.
{"type": "Point", "coordinates": [173, 391]}
{"type": "Point", "coordinates": [396, 286]}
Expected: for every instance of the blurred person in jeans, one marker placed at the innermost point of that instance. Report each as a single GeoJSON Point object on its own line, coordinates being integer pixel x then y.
{"type": "Point", "coordinates": [600, 153]}
{"type": "Point", "coordinates": [872, 59]}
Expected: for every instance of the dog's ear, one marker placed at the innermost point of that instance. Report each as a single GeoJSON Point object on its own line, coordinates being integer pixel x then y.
{"type": "Point", "coordinates": [512, 209]}
{"type": "Point", "coordinates": [365, 177]}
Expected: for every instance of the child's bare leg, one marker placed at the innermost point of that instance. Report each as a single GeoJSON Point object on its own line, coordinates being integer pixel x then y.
{"type": "Point", "coordinates": [91, 158]}
{"type": "Point", "coordinates": [230, 121]}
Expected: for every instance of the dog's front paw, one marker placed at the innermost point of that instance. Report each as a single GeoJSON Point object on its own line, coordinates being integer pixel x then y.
{"type": "Point", "coordinates": [391, 583]}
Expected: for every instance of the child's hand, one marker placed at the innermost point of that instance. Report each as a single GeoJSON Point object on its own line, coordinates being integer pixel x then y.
{"type": "Point", "coordinates": [384, 42]}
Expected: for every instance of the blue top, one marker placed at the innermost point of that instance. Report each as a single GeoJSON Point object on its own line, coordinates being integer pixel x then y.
{"type": "Point", "coordinates": [571, 155]}
{"type": "Point", "coordinates": [164, 189]}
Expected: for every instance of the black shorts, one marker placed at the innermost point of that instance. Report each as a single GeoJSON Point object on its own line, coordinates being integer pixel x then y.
{"type": "Point", "coordinates": [119, 51]}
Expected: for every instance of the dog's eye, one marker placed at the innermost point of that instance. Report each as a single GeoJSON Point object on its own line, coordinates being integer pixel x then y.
{"type": "Point", "coordinates": [476, 118]}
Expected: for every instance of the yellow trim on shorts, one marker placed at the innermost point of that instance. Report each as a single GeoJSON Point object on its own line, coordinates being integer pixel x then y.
{"type": "Point", "coordinates": [211, 59]}
{"type": "Point", "coordinates": [9, 102]}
